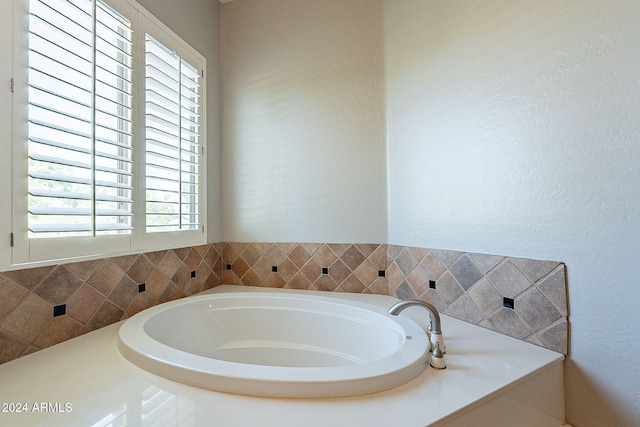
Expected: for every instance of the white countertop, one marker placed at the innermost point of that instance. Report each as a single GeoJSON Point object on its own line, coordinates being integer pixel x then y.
{"type": "Point", "coordinates": [86, 381]}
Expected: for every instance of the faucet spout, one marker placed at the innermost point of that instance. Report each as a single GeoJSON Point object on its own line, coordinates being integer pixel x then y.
{"type": "Point", "coordinates": [438, 348]}
{"type": "Point", "coordinates": [434, 316]}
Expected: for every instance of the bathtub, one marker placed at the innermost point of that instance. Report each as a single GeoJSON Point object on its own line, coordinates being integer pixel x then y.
{"type": "Point", "coordinates": [276, 344]}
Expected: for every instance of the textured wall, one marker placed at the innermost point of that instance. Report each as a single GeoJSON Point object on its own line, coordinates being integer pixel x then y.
{"type": "Point", "coordinates": [303, 121]}
{"type": "Point", "coordinates": [514, 127]}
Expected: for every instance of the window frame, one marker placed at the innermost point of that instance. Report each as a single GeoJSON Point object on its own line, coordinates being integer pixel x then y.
{"type": "Point", "coordinates": [26, 251]}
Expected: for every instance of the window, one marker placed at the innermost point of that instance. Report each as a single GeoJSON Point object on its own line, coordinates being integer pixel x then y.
{"type": "Point", "coordinates": [108, 146]}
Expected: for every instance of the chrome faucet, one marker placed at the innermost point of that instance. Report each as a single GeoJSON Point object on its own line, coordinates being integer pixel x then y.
{"type": "Point", "coordinates": [438, 348]}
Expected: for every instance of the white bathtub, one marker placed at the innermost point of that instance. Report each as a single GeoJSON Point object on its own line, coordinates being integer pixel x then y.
{"type": "Point", "coordinates": [276, 344]}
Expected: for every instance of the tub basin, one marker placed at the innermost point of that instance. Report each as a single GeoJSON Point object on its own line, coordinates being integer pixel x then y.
{"type": "Point", "coordinates": [276, 344]}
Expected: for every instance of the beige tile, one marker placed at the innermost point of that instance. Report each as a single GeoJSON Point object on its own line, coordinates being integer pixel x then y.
{"type": "Point", "coordinates": [508, 280]}
{"type": "Point", "coordinates": [324, 257]}
{"type": "Point", "coordinates": [262, 268]}
{"type": "Point", "coordinates": [29, 318]}
{"type": "Point", "coordinates": [366, 272]}
{"type": "Point", "coordinates": [448, 287]}
{"type": "Point", "coordinates": [169, 264]}
{"type": "Point", "coordinates": [106, 277]}
{"type": "Point", "coordinates": [536, 310]}
{"type": "Point", "coordinates": [338, 248]}
{"type": "Point", "coordinates": [555, 337]}
{"type": "Point", "coordinates": [274, 280]}
{"type": "Point", "coordinates": [299, 256]}
{"type": "Point", "coordinates": [277, 253]}
{"type": "Point", "coordinates": [352, 284]}
{"type": "Point", "coordinates": [84, 303]}
{"type": "Point", "coordinates": [124, 293]}
{"type": "Point", "coordinates": [61, 328]}
{"type": "Point", "coordinates": [465, 271]}
{"type": "Point", "coordinates": [181, 277]}
{"type": "Point", "coordinates": [464, 309]}
{"type": "Point", "coordinates": [406, 261]}
{"type": "Point", "coordinates": [486, 262]}
{"type": "Point", "coordinates": [418, 253]}
{"type": "Point", "coordinates": [404, 291]}
{"type": "Point", "coordinates": [142, 301]}
{"type": "Point", "coordinates": [485, 296]}
{"type": "Point", "coordinates": [379, 257]}
{"type": "Point", "coordinates": [433, 266]}
{"type": "Point", "coordinates": [10, 347]}
{"type": "Point", "coordinates": [172, 292]}
{"type": "Point", "coordinates": [59, 285]}
{"type": "Point", "coordinates": [123, 262]}
{"type": "Point", "coordinates": [299, 281]}
{"type": "Point", "coordinates": [380, 286]}
{"type": "Point", "coordinates": [229, 254]}
{"type": "Point", "coordinates": [394, 276]}
{"type": "Point", "coordinates": [339, 271]}
{"type": "Point", "coordinates": [325, 283]}
{"type": "Point", "coordinates": [534, 269]}
{"type": "Point", "coordinates": [212, 257]}
{"type": "Point", "coordinates": [251, 255]}
{"type": "Point", "coordinates": [419, 280]}
{"type": "Point", "coordinates": [310, 248]}
{"type": "Point", "coordinates": [367, 249]}
{"type": "Point", "coordinates": [140, 270]}
{"type": "Point", "coordinates": [287, 269]}
{"type": "Point", "coordinates": [311, 270]}
{"type": "Point", "coordinates": [352, 258]}
{"type": "Point", "coordinates": [507, 322]}
{"type": "Point", "coordinates": [182, 252]}
{"type": "Point", "coordinates": [10, 295]}
{"type": "Point", "coordinates": [156, 284]}
{"type": "Point", "coordinates": [554, 288]}
{"type": "Point", "coordinates": [156, 257]}
{"type": "Point", "coordinates": [251, 279]}
{"type": "Point", "coordinates": [84, 269]}
{"type": "Point", "coordinates": [193, 259]}
{"type": "Point", "coordinates": [433, 297]}
{"type": "Point", "coordinates": [393, 251]}
{"type": "Point", "coordinates": [30, 277]}
{"type": "Point", "coordinates": [106, 315]}
{"type": "Point", "coordinates": [240, 267]}
{"type": "Point", "coordinates": [447, 257]}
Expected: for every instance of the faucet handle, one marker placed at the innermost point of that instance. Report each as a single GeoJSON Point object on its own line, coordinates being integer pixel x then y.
{"type": "Point", "coordinates": [437, 357]}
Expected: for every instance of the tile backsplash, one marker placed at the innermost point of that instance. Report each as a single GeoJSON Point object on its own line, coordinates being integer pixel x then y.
{"type": "Point", "coordinates": [43, 306]}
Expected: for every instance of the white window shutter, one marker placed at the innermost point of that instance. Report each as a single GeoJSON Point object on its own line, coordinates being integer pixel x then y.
{"type": "Point", "coordinates": [80, 119]}
{"type": "Point", "coordinates": [173, 154]}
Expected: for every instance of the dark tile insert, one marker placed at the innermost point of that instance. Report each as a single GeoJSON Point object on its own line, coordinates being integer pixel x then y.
{"type": "Point", "coordinates": [432, 284]}
{"type": "Point", "coordinates": [325, 270]}
{"type": "Point", "coordinates": [142, 287]}
{"type": "Point", "coordinates": [508, 302]}
{"type": "Point", "coordinates": [59, 310]}
{"type": "Point", "coordinates": [274, 268]}
{"type": "Point", "coordinates": [193, 274]}
{"type": "Point", "coordinates": [381, 273]}
{"type": "Point", "coordinates": [228, 266]}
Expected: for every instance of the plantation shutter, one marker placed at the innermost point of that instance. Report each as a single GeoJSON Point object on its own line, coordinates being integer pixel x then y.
{"type": "Point", "coordinates": [173, 153]}
{"type": "Point", "coordinates": [80, 119]}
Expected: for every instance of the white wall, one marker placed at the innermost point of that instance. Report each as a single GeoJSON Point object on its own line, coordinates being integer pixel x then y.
{"type": "Point", "coordinates": [514, 129]}
{"type": "Point", "coordinates": [303, 121]}
{"type": "Point", "coordinates": [198, 23]}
